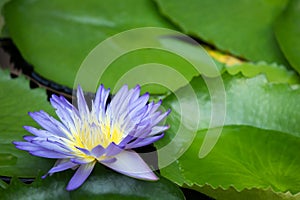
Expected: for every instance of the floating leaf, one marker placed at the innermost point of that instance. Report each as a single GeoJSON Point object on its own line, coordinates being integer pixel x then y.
{"type": "Point", "coordinates": [249, 101]}
{"type": "Point", "coordinates": [257, 194]}
{"type": "Point", "coordinates": [287, 30]}
{"type": "Point", "coordinates": [259, 144]}
{"type": "Point", "coordinates": [16, 101]}
{"type": "Point", "coordinates": [274, 73]}
{"type": "Point", "coordinates": [56, 36]}
{"type": "Point", "coordinates": [244, 157]}
{"type": "Point", "coordinates": [243, 28]}
{"type": "Point", "coordinates": [102, 184]}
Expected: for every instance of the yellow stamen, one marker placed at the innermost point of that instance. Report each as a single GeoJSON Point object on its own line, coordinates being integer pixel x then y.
{"type": "Point", "coordinates": [91, 134]}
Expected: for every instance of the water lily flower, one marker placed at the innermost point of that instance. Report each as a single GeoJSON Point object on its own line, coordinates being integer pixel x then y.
{"type": "Point", "coordinates": [106, 133]}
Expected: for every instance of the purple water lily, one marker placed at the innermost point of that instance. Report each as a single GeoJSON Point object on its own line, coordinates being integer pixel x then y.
{"type": "Point", "coordinates": [104, 134]}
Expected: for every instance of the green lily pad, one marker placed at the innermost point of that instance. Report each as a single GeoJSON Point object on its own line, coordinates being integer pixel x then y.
{"type": "Point", "coordinates": [274, 73]}
{"type": "Point", "coordinates": [245, 157]}
{"type": "Point", "coordinates": [257, 194]}
{"type": "Point", "coordinates": [249, 101]}
{"type": "Point", "coordinates": [287, 30]}
{"type": "Point", "coordinates": [102, 184]}
{"type": "Point", "coordinates": [259, 144]}
{"type": "Point", "coordinates": [56, 36]}
{"type": "Point", "coordinates": [243, 28]}
{"type": "Point", "coordinates": [16, 101]}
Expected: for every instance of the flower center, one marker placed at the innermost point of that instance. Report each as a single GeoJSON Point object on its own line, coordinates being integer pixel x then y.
{"type": "Point", "coordinates": [92, 134]}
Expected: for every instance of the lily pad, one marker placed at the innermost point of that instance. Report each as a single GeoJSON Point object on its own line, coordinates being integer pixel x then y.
{"type": "Point", "coordinates": [102, 184]}
{"type": "Point", "coordinates": [56, 36]}
{"type": "Point", "coordinates": [243, 28]}
{"type": "Point", "coordinates": [287, 30]}
{"type": "Point", "coordinates": [16, 101]}
{"type": "Point", "coordinates": [245, 157]}
{"type": "Point", "coordinates": [257, 194]}
{"type": "Point", "coordinates": [259, 143]}
{"type": "Point", "coordinates": [274, 73]}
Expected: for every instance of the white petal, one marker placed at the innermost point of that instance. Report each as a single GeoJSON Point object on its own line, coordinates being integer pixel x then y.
{"type": "Point", "coordinates": [131, 164]}
{"type": "Point", "coordinates": [158, 129]}
{"type": "Point", "coordinates": [82, 105]}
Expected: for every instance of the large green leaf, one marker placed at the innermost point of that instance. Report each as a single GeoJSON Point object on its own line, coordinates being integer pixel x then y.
{"type": "Point", "coordinates": [16, 100]}
{"type": "Point", "coordinates": [287, 30]}
{"type": "Point", "coordinates": [274, 73]}
{"type": "Point", "coordinates": [257, 194]}
{"type": "Point", "coordinates": [260, 141]}
{"type": "Point", "coordinates": [245, 157]}
{"type": "Point", "coordinates": [242, 27]}
{"type": "Point", "coordinates": [55, 36]}
{"type": "Point", "coordinates": [249, 101]}
{"type": "Point", "coordinates": [102, 184]}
